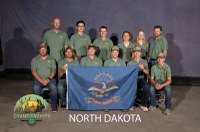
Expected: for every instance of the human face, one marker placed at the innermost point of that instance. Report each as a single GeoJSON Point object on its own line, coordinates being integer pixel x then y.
{"type": "Point", "coordinates": [56, 24]}
{"type": "Point", "coordinates": [114, 54]}
{"type": "Point", "coordinates": [157, 32]}
{"type": "Point", "coordinates": [126, 36]}
{"type": "Point", "coordinates": [161, 61]}
{"type": "Point", "coordinates": [43, 52]}
{"type": "Point", "coordinates": [137, 54]}
{"type": "Point", "coordinates": [68, 53]}
{"type": "Point", "coordinates": [103, 32]}
{"type": "Point", "coordinates": [80, 27]}
{"type": "Point", "coordinates": [141, 35]}
{"type": "Point", "coordinates": [91, 51]}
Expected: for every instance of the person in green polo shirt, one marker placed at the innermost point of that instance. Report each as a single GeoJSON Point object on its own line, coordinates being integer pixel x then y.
{"type": "Point", "coordinates": [115, 60]}
{"type": "Point", "coordinates": [157, 44]}
{"type": "Point", "coordinates": [80, 41]}
{"type": "Point", "coordinates": [56, 40]}
{"type": "Point", "coordinates": [91, 59]}
{"type": "Point", "coordinates": [126, 46]}
{"type": "Point", "coordinates": [62, 67]}
{"type": "Point", "coordinates": [142, 43]}
{"type": "Point", "coordinates": [142, 76]}
{"type": "Point", "coordinates": [103, 43]}
{"type": "Point", "coordinates": [43, 68]}
{"type": "Point", "coordinates": [161, 80]}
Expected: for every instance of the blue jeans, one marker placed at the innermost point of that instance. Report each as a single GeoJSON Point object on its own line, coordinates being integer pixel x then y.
{"type": "Point", "coordinates": [62, 89]}
{"type": "Point", "coordinates": [145, 92]}
{"type": "Point", "coordinates": [53, 90]}
{"type": "Point", "coordinates": [167, 90]}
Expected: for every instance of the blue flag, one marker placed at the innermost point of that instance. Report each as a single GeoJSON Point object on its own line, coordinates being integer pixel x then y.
{"type": "Point", "coordinates": [99, 88]}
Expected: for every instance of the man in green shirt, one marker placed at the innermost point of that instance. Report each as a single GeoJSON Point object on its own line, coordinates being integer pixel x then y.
{"type": "Point", "coordinates": [143, 73]}
{"type": "Point", "coordinates": [80, 41]}
{"type": "Point", "coordinates": [161, 80]}
{"type": "Point", "coordinates": [62, 67]}
{"type": "Point", "coordinates": [91, 59]}
{"type": "Point", "coordinates": [115, 60]}
{"type": "Point", "coordinates": [103, 43]}
{"type": "Point", "coordinates": [56, 40]}
{"type": "Point", "coordinates": [43, 68]}
{"type": "Point", "coordinates": [157, 45]}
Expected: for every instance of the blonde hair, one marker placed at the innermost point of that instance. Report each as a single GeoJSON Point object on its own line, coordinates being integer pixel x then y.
{"type": "Point", "coordinates": [137, 40]}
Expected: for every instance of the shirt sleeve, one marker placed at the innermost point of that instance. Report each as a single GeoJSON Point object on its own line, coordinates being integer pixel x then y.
{"type": "Point", "coordinates": [33, 64]}
{"type": "Point", "coordinates": [53, 64]}
{"type": "Point", "coordinates": [72, 41]}
{"type": "Point", "coordinates": [66, 42]}
{"type": "Point", "coordinates": [164, 45]}
{"type": "Point", "coordinates": [59, 65]}
{"type": "Point", "coordinates": [152, 72]}
{"type": "Point", "coordinates": [168, 70]}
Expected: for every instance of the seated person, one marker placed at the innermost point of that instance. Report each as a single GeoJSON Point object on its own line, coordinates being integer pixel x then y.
{"type": "Point", "coordinates": [91, 59]}
{"type": "Point", "coordinates": [161, 80]}
{"type": "Point", "coordinates": [143, 73]}
{"type": "Point", "coordinates": [115, 60]}
{"type": "Point", "coordinates": [62, 66]}
{"type": "Point", "coordinates": [43, 68]}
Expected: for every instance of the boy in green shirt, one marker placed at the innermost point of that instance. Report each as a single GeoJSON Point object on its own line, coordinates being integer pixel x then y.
{"type": "Point", "coordinates": [91, 59]}
{"type": "Point", "coordinates": [161, 80]}
{"type": "Point", "coordinates": [80, 41]}
{"type": "Point", "coordinates": [62, 67]}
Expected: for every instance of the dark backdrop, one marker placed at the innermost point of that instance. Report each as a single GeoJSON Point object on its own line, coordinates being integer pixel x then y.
{"type": "Point", "coordinates": [23, 23]}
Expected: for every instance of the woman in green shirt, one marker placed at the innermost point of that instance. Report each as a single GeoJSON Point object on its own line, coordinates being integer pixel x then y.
{"type": "Point", "coordinates": [126, 46]}
{"type": "Point", "coordinates": [142, 43]}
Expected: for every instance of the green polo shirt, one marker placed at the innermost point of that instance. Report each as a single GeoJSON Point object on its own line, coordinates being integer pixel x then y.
{"type": "Point", "coordinates": [86, 61]}
{"type": "Point", "coordinates": [142, 61]}
{"type": "Point", "coordinates": [104, 47]}
{"type": "Point", "coordinates": [56, 42]}
{"type": "Point", "coordinates": [64, 61]}
{"type": "Point", "coordinates": [144, 48]}
{"type": "Point", "coordinates": [157, 45]}
{"type": "Point", "coordinates": [43, 67]}
{"type": "Point", "coordinates": [111, 62]}
{"type": "Point", "coordinates": [125, 51]}
{"type": "Point", "coordinates": [161, 73]}
{"type": "Point", "coordinates": [80, 43]}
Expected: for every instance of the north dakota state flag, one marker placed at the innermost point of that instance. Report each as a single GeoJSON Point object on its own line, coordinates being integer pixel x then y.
{"type": "Point", "coordinates": [99, 88]}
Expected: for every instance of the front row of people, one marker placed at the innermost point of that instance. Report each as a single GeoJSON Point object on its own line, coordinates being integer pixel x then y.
{"type": "Point", "coordinates": [44, 70]}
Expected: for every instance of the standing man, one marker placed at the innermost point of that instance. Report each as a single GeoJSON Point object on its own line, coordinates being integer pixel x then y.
{"type": "Point", "coordinates": [157, 44]}
{"type": "Point", "coordinates": [80, 41]}
{"type": "Point", "coordinates": [115, 60]}
{"type": "Point", "coordinates": [56, 40]}
{"type": "Point", "coordinates": [103, 43]}
{"type": "Point", "coordinates": [43, 68]}
{"type": "Point", "coordinates": [91, 59]}
{"type": "Point", "coordinates": [161, 80]}
{"type": "Point", "coordinates": [62, 67]}
{"type": "Point", "coordinates": [143, 73]}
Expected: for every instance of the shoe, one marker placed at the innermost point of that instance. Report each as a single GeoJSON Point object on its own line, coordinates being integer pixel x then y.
{"type": "Point", "coordinates": [54, 109]}
{"type": "Point", "coordinates": [145, 109]}
{"type": "Point", "coordinates": [63, 106]}
{"type": "Point", "coordinates": [131, 108]}
{"type": "Point", "coordinates": [151, 108]}
{"type": "Point", "coordinates": [167, 112]}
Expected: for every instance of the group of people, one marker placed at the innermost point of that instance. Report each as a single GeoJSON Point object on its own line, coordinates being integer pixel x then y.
{"type": "Point", "coordinates": [57, 51]}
